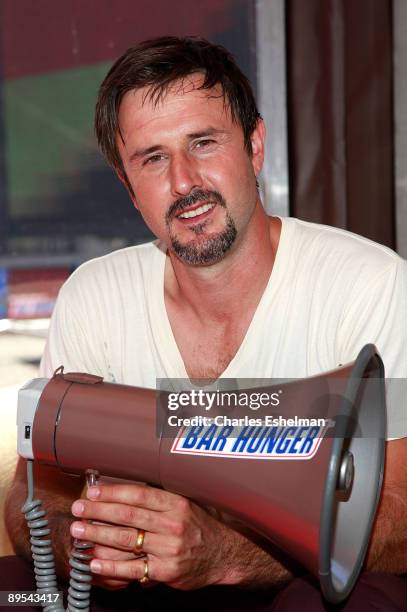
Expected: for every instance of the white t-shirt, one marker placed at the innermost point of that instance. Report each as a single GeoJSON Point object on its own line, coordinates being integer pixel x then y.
{"type": "Point", "coordinates": [330, 293]}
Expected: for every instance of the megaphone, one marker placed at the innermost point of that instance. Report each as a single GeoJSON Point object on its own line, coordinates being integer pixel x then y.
{"type": "Point", "coordinates": [312, 490]}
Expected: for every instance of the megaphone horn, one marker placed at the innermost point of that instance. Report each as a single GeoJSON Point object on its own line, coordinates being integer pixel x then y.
{"type": "Point", "coordinates": [312, 491]}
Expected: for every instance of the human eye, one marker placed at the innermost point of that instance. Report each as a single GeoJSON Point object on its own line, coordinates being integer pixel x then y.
{"type": "Point", "coordinates": [153, 159]}
{"type": "Point", "coordinates": [204, 143]}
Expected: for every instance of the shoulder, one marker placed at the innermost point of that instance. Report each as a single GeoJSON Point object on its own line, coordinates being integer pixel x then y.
{"type": "Point", "coordinates": [341, 253]}
{"type": "Point", "coordinates": [341, 242]}
{"type": "Point", "coordinates": [118, 268]}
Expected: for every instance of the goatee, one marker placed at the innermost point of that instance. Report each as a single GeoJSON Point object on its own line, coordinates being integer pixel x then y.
{"type": "Point", "coordinates": [205, 250]}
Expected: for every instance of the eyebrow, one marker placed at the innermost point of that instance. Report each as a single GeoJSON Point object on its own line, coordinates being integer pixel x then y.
{"type": "Point", "coordinates": [139, 153]}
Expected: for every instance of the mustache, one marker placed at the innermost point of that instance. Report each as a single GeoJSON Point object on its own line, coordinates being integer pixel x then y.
{"type": "Point", "coordinates": [199, 195]}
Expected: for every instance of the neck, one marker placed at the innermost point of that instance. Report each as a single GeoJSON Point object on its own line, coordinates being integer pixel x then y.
{"type": "Point", "coordinates": [221, 292]}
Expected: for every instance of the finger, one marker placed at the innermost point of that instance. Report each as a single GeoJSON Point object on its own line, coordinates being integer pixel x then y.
{"type": "Point", "coordinates": [139, 495]}
{"type": "Point", "coordinates": [123, 570]}
{"type": "Point", "coordinates": [110, 537]}
{"type": "Point", "coordinates": [106, 552]}
{"type": "Point", "coordinates": [124, 541]}
{"type": "Point", "coordinates": [120, 514]}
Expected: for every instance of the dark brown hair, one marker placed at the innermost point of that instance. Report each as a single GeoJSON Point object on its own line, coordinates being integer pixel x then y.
{"type": "Point", "coordinates": [156, 64]}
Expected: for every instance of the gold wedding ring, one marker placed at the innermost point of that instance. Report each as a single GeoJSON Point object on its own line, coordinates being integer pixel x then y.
{"type": "Point", "coordinates": [145, 577]}
{"type": "Point", "coordinates": [139, 541]}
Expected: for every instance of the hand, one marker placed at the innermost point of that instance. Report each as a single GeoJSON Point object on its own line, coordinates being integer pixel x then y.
{"type": "Point", "coordinates": [186, 547]}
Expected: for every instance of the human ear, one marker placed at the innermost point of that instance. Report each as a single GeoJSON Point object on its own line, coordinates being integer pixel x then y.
{"type": "Point", "coordinates": [257, 140]}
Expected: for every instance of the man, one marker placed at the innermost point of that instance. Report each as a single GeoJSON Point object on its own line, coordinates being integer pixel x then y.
{"type": "Point", "coordinates": [226, 291]}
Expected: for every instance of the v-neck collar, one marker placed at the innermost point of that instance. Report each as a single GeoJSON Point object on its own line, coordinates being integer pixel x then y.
{"type": "Point", "coordinates": [162, 330]}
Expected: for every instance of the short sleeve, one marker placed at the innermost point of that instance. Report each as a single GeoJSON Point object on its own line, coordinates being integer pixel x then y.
{"type": "Point", "coordinates": [74, 338]}
{"type": "Point", "coordinates": [378, 315]}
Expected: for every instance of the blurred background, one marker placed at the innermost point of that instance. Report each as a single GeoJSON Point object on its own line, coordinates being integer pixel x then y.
{"type": "Point", "coordinates": [329, 76]}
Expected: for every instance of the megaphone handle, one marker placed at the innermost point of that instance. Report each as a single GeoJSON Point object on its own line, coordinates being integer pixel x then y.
{"type": "Point", "coordinates": [80, 576]}
{"type": "Point", "coordinates": [92, 477]}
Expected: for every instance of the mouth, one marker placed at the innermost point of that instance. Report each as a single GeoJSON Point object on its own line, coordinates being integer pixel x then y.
{"type": "Point", "coordinates": [196, 213]}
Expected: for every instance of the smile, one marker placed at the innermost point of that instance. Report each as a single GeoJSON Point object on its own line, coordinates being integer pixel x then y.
{"type": "Point", "coordinates": [197, 211]}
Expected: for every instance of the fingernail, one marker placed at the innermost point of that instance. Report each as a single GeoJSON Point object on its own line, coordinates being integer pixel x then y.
{"type": "Point", "coordinates": [77, 529]}
{"type": "Point", "coordinates": [96, 566]}
{"type": "Point", "coordinates": [93, 492]}
{"type": "Point", "coordinates": [78, 508]}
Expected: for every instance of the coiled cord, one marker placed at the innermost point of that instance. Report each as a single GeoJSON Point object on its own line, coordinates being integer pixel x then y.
{"type": "Point", "coordinates": [44, 561]}
{"type": "Point", "coordinates": [43, 556]}
{"type": "Point", "coordinates": [79, 577]}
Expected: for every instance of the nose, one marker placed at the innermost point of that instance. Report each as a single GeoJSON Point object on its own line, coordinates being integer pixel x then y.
{"type": "Point", "coordinates": [184, 174]}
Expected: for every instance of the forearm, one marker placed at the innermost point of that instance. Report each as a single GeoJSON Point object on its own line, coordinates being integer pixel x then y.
{"type": "Point", "coordinates": [388, 546]}
{"type": "Point", "coordinates": [56, 502]}
{"type": "Point", "coordinates": [253, 562]}
{"type": "Point", "coordinates": [59, 525]}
